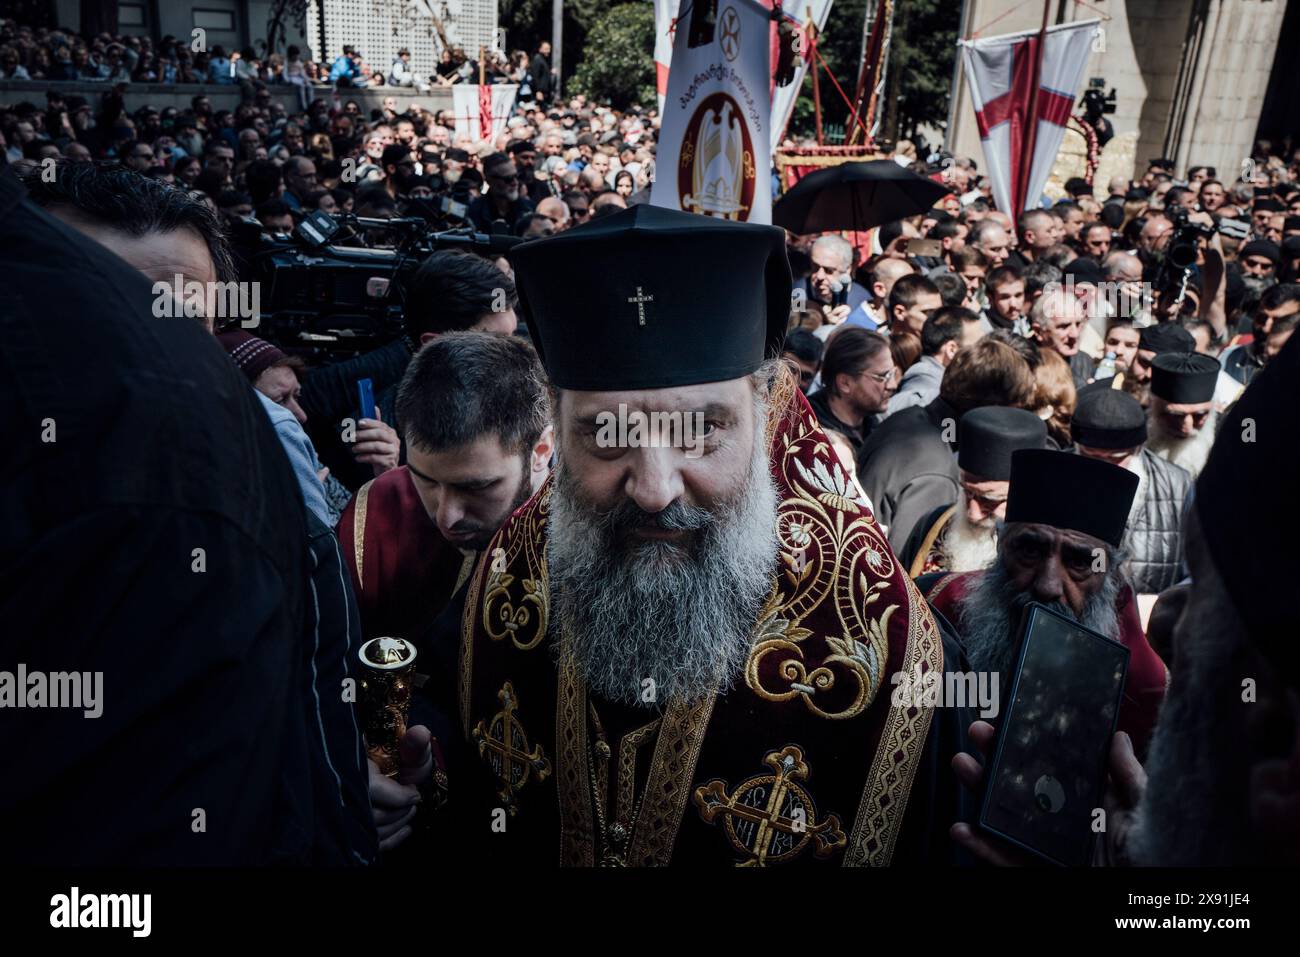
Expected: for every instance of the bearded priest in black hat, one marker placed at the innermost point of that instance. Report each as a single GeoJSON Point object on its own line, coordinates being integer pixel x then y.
{"type": "Point", "coordinates": [680, 650]}
{"type": "Point", "coordinates": [1059, 545]}
{"type": "Point", "coordinates": [963, 537]}
{"type": "Point", "coordinates": [1182, 418]}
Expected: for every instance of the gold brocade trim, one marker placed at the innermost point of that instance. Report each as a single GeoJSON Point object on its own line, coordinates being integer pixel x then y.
{"type": "Point", "coordinates": [942, 585]}
{"type": "Point", "coordinates": [466, 569]}
{"type": "Point", "coordinates": [359, 531]}
{"type": "Point", "coordinates": [918, 563]}
{"type": "Point", "coordinates": [668, 786]}
{"type": "Point", "coordinates": [467, 649]}
{"type": "Point", "coordinates": [506, 613]}
{"type": "Point", "coordinates": [826, 531]}
{"type": "Point", "coordinates": [577, 828]}
{"type": "Point", "coordinates": [889, 782]}
{"type": "Point", "coordinates": [626, 776]}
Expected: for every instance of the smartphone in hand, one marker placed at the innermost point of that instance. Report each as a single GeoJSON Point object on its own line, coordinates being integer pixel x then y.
{"type": "Point", "coordinates": [1048, 773]}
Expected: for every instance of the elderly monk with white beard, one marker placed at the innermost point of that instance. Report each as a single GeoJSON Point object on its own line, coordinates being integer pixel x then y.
{"type": "Point", "coordinates": [1060, 546]}
{"type": "Point", "coordinates": [1221, 785]}
{"type": "Point", "coordinates": [1182, 421]}
{"type": "Point", "coordinates": [963, 537]}
{"type": "Point", "coordinates": [679, 650]}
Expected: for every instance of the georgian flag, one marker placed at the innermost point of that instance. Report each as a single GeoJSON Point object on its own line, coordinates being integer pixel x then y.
{"type": "Point", "coordinates": [1000, 71]}
{"type": "Point", "coordinates": [665, 31]}
{"type": "Point", "coordinates": [482, 111]}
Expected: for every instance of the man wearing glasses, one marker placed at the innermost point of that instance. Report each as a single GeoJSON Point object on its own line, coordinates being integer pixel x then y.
{"type": "Point", "coordinates": [1273, 323]}
{"type": "Point", "coordinates": [504, 199]}
{"type": "Point", "coordinates": [138, 156]}
{"type": "Point", "coordinates": [858, 379]}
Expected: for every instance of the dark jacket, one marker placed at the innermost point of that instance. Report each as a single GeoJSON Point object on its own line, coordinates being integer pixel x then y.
{"type": "Point", "coordinates": [1082, 368]}
{"type": "Point", "coordinates": [1154, 539]}
{"type": "Point", "coordinates": [156, 538]}
{"type": "Point", "coordinates": [539, 75]}
{"type": "Point", "coordinates": [329, 395]}
{"type": "Point", "coordinates": [822, 409]}
{"type": "Point", "coordinates": [908, 469]}
{"type": "Point", "coordinates": [482, 213]}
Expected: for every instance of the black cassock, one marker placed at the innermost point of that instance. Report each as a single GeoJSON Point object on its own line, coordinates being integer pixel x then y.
{"type": "Point", "coordinates": [152, 531]}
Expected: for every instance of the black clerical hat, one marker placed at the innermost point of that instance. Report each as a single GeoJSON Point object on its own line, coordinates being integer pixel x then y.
{"type": "Point", "coordinates": [1258, 451]}
{"type": "Point", "coordinates": [1184, 378]}
{"type": "Point", "coordinates": [650, 298]}
{"type": "Point", "coordinates": [987, 437]}
{"type": "Point", "coordinates": [1166, 337]}
{"type": "Point", "coordinates": [1070, 491]}
{"type": "Point", "coordinates": [1108, 418]}
{"type": "Point", "coordinates": [1264, 248]}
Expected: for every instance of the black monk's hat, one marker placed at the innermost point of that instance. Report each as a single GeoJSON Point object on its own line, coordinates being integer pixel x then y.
{"type": "Point", "coordinates": [1070, 491]}
{"type": "Point", "coordinates": [1108, 418]}
{"type": "Point", "coordinates": [1184, 378]}
{"type": "Point", "coordinates": [987, 437]}
{"type": "Point", "coordinates": [1166, 337]}
{"type": "Point", "coordinates": [1259, 450]}
{"type": "Point", "coordinates": [651, 298]}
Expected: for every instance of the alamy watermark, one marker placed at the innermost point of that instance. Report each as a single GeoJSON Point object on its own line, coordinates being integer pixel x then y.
{"type": "Point", "coordinates": [208, 300]}
{"type": "Point", "coordinates": [53, 689]}
{"type": "Point", "coordinates": [653, 430]}
{"type": "Point", "coordinates": [949, 689]}
{"type": "Point", "coordinates": [1122, 300]}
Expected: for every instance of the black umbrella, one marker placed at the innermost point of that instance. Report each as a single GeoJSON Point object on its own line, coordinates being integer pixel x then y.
{"type": "Point", "coordinates": [855, 196]}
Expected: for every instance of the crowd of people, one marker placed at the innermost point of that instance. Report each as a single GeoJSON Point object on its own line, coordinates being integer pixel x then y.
{"type": "Point", "coordinates": [963, 407]}
{"type": "Point", "coordinates": [40, 53]}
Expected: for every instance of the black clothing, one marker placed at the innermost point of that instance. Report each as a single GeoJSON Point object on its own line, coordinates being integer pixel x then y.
{"type": "Point", "coordinates": [482, 213]}
{"type": "Point", "coordinates": [152, 531]}
{"type": "Point", "coordinates": [329, 395]}
{"type": "Point", "coordinates": [1082, 368]}
{"type": "Point", "coordinates": [908, 467]}
{"type": "Point", "coordinates": [820, 402]}
{"type": "Point", "coordinates": [539, 76]}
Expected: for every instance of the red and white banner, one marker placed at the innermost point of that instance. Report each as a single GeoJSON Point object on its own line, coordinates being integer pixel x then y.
{"type": "Point", "coordinates": [1000, 71]}
{"type": "Point", "coordinates": [803, 12]}
{"type": "Point", "coordinates": [665, 30]}
{"type": "Point", "coordinates": [482, 111]}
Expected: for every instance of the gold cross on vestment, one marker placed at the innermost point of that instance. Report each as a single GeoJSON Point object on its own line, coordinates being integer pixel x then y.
{"type": "Point", "coordinates": [504, 745]}
{"type": "Point", "coordinates": [640, 299]}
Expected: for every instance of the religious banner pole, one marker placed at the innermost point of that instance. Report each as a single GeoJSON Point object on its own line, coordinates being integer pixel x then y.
{"type": "Point", "coordinates": [1030, 136]}
{"type": "Point", "coordinates": [557, 44]}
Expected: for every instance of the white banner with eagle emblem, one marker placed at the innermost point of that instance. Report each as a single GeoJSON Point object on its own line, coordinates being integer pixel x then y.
{"type": "Point", "coordinates": [714, 142]}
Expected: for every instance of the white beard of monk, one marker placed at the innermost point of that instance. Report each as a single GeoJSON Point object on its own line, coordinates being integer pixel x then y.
{"type": "Point", "coordinates": [644, 621]}
{"type": "Point", "coordinates": [968, 547]}
{"type": "Point", "coordinates": [1190, 453]}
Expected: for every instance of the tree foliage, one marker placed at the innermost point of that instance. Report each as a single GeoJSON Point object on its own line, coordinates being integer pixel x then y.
{"type": "Point", "coordinates": [528, 23]}
{"type": "Point", "coordinates": [617, 66]}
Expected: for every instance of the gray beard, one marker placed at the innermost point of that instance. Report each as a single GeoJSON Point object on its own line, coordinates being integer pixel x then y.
{"type": "Point", "coordinates": [646, 622]}
{"type": "Point", "coordinates": [1191, 810]}
{"type": "Point", "coordinates": [1190, 453]}
{"type": "Point", "coordinates": [990, 611]}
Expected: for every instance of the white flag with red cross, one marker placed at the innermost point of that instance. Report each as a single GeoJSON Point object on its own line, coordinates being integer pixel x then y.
{"type": "Point", "coordinates": [1001, 72]}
